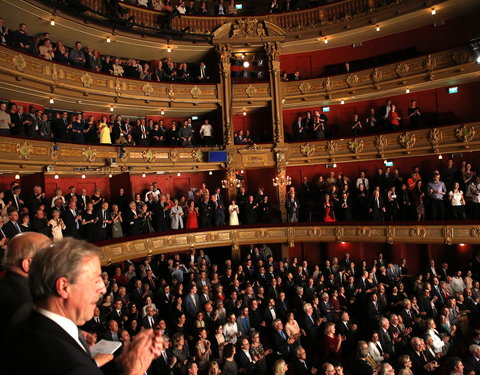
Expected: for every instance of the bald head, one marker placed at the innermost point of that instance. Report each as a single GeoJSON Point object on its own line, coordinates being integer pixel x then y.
{"type": "Point", "coordinates": [21, 249]}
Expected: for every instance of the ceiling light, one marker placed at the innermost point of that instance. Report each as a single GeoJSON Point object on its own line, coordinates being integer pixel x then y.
{"type": "Point", "coordinates": [325, 40]}
{"type": "Point", "coordinates": [111, 108]}
{"type": "Point", "coordinates": [440, 156]}
{"type": "Point", "coordinates": [407, 91]}
{"type": "Point", "coordinates": [84, 176]}
{"type": "Point", "coordinates": [244, 113]}
{"type": "Point", "coordinates": [246, 64]}
{"type": "Point", "coordinates": [108, 39]}
{"type": "Point", "coordinates": [17, 177]}
{"type": "Point", "coordinates": [210, 173]}
{"type": "Point", "coordinates": [179, 174]}
{"type": "Point", "coordinates": [461, 244]}
{"type": "Point", "coordinates": [52, 101]}
{"type": "Point", "coordinates": [144, 175]}
{"type": "Point", "coordinates": [52, 22]}
{"type": "Point", "coordinates": [433, 11]}
{"type": "Point", "coordinates": [56, 177]}
{"type": "Point", "coordinates": [342, 101]}
{"type": "Point", "coordinates": [377, 28]}
{"type": "Point", "coordinates": [110, 175]}
{"type": "Point", "coordinates": [162, 112]}
{"type": "Point", "coordinates": [169, 49]}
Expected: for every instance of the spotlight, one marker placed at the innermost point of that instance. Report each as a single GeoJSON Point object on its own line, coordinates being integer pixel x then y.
{"type": "Point", "coordinates": [17, 177]}
{"type": "Point", "coordinates": [144, 175]}
{"type": "Point", "coordinates": [52, 101]}
{"type": "Point", "coordinates": [325, 40]}
{"type": "Point", "coordinates": [56, 177]}
{"type": "Point", "coordinates": [111, 108]}
{"type": "Point", "coordinates": [407, 91]}
{"type": "Point", "coordinates": [108, 39]}
{"type": "Point", "coordinates": [377, 28]}
{"type": "Point", "coordinates": [52, 22]}
{"type": "Point", "coordinates": [246, 64]}
{"type": "Point", "coordinates": [342, 101]}
{"type": "Point", "coordinates": [84, 176]}
{"type": "Point", "coordinates": [433, 12]}
{"type": "Point", "coordinates": [210, 173]}
{"type": "Point", "coordinates": [179, 174]}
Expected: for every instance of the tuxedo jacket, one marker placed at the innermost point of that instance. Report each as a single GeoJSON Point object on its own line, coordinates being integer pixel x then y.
{"type": "Point", "coordinates": [244, 363]}
{"type": "Point", "coordinates": [146, 322]}
{"type": "Point", "coordinates": [42, 347]}
{"type": "Point", "coordinates": [10, 230]}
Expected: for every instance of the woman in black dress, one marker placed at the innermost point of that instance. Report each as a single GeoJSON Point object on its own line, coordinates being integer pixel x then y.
{"type": "Point", "coordinates": [88, 223]}
{"type": "Point", "coordinates": [91, 131]}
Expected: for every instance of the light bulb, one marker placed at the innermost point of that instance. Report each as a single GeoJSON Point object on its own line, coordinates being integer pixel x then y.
{"type": "Point", "coordinates": [246, 64]}
{"type": "Point", "coordinates": [377, 28]}
{"type": "Point", "coordinates": [83, 175]}
{"type": "Point", "coordinates": [162, 112]}
{"type": "Point", "coordinates": [17, 177]}
{"type": "Point", "coordinates": [244, 113]}
{"type": "Point", "coordinates": [179, 174]}
{"type": "Point", "coordinates": [342, 101]}
{"type": "Point", "coordinates": [110, 175]}
{"type": "Point", "coordinates": [433, 11]}
{"type": "Point", "coordinates": [440, 156]}
{"type": "Point", "coordinates": [325, 41]}
{"type": "Point", "coordinates": [56, 177]}
{"type": "Point", "coordinates": [478, 60]}
{"type": "Point", "coordinates": [210, 173]}
{"type": "Point", "coordinates": [108, 39]}
{"type": "Point", "coordinates": [169, 49]}
{"type": "Point", "coordinates": [407, 91]}
{"type": "Point", "coordinates": [52, 101]}
{"type": "Point", "coordinates": [52, 22]}
{"type": "Point", "coordinates": [144, 175]}
{"type": "Point", "coordinates": [111, 108]}
{"type": "Point", "coordinates": [461, 244]}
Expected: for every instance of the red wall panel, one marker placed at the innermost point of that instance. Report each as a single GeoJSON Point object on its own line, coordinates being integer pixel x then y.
{"type": "Point", "coordinates": [425, 39]}
{"type": "Point", "coordinates": [89, 183]}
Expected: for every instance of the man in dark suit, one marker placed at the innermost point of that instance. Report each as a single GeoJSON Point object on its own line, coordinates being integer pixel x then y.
{"type": "Point", "coordinates": [473, 359]}
{"type": "Point", "coordinates": [12, 228]}
{"type": "Point", "coordinates": [96, 324]}
{"type": "Point", "coordinates": [112, 333]}
{"type": "Point", "coordinates": [150, 320]}
{"type": "Point", "coordinates": [103, 223]}
{"type": "Point", "coordinates": [72, 220]}
{"type": "Point", "coordinates": [15, 199]}
{"type": "Point", "coordinates": [163, 364]}
{"type": "Point", "coordinates": [206, 213]}
{"type": "Point", "coordinates": [386, 339]}
{"type": "Point", "coordinates": [292, 206]}
{"type": "Point", "coordinates": [420, 363]}
{"type": "Point", "coordinates": [218, 209]}
{"type": "Point", "coordinates": [61, 127]}
{"type": "Point", "coordinates": [202, 73]}
{"type": "Point", "coordinates": [39, 223]}
{"type": "Point", "coordinates": [36, 198]}
{"type": "Point", "coordinates": [270, 313]}
{"type": "Point", "coordinates": [298, 129]}
{"type": "Point", "coordinates": [301, 365]}
{"type": "Point", "coordinates": [83, 200]}
{"type": "Point", "coordinates": [192, 303]}
{"type": "Point", "coordinates": [281, 343]}
{"type": "Point", "coordinates": [345, 328]}
{"type": "Point", "coordinates": [62, 302]}
{"type": "Point", "coordinates": [377, 207]}
{"type": "Point", "coordinates": [118, 313]}
{"type": "Point", "coordinates": [244, 360]}
{"type": "Point", "coordinates": [132, 221]}
{"type": "Point", "coordinates": [15, 297]}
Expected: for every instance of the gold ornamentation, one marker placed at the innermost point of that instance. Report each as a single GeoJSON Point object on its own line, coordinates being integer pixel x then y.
{"type": "Point", "coordinates": [224, 53]}
{"type": "Point", "coordinates": [380, 142]}
{"type": "Point", "coordinates": [465, 133]}
{"type": "Point", "coordinates": [407, 140]}
{"type": "Point", "coordinates": [262, 233]}
{"type": "Point", "coordinates": [89, 154]}
{"type": "Point", "coordinates": [475, 232]}
{"type": "Point", "coordinates": [54, 151]}
{"type": "Point", "coordinates": [149, 155]}
{"type": "Point", "coordinates": [418, 232]}
{"type": "Point", "coordinates": [352, 80]}
{"type": "Point", "coordinates": [355, 146]}
{"type": "Point", "coordinates": [376, 77]}
{"type": "Point", "coordinates": [171, 93]}
{"type": "Point", "coordinates": [434, 136]}
{"type": "Point", "coordinates": [195, 92]}
{"type": "Point", "coordinates": [448, 235]}
{"type": "Point", "coordinates": [212, 237]}
{"type": "Point", "coordinates": [273, 50]}
{"type": "Point", "coordinates": [24, 150]}
{"type": "Point", "coordinates": [197, 155]}
{"type": "Point", "coordinates": [304, 87]}
{"type": "Point", "coordinates": [390, 234]}
{"type": "Point", "coordinates": [254, 146]}
{"type": "Point", "coordinates": [118, 86]}
{"type": "Point", "coordinates": [54, 74]}
{"type": "Point", "coordinates": [86, 79]}
{"type": "Point", "coordinates": [402, 70]}
{"type": "Point", "coordinates": [291, 237]}
{"type": "Point", "coordinates": [327, 85]}
{"type": "Point", "coordinates": [248, 28]}
{"type": "Point", "coordinates": [173, 155]}
{"type": "Point", "coordinates": [19, 62]}
{"type": "Point", "coordinates": [331, 148]}
{"type": "Point", "coordinates": [250, 90]}
{"type": "Point", "coordinates": [363, 232]}
{"type": "Point", "coordinates": [171, 241]}
{"type": "Point", "coordinates": [307, 149]}
{"type": "Point", "coordinates": [229, 157]}
{"type": "Point", "coordinates": [147, 89]}
{"type": "Point", "coordinates": [429, 65]}
{"type": "Point", "coordinates": [314, 232]}
{"type": "Point", "coordinates": [460, 56]}
{"type": "Point", "coordinates": [338, 234]}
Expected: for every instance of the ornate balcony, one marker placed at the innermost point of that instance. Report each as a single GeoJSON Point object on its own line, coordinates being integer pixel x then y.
{"type": "Point", "coordinates": [289, 235]}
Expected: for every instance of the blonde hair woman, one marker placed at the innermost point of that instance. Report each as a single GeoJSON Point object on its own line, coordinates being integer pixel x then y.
{"type": "Point", "coordinates": [104, 131]}
{"type": "Point", "coordinates": [280, 367]}
{"type": "Point", "coordinates": [214, 369]}
{"type": "Point", "coordinates": [405, 365]}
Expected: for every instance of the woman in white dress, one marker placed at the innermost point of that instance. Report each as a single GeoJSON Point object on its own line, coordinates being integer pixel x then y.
{"type": "Point", "coordinates": [56, 225]}
{"type": "Point", "coordinates": [176, 213]}
{"type": "Point", "coordinates": [58, 195]}
{"type": "Point", "coordinates": [234, 211]}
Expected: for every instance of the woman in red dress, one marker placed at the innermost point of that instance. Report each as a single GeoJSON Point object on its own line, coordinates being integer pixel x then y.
{"type": "Point", "coordinates": [192, 216]}
{"type": "Point", "coordinates": [332, 344]}
{"type": "Point", "coordinates": [394, 119]}
{"type": "Point", "coordinates": [329, 213]}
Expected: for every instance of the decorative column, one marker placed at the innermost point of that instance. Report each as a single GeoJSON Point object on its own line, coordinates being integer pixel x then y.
{"type": "Point", "coordinates": [232, 183]}
{"type": "Point", "coordinates": [224, 53]}
{"type": "Point", "coordinates": [281, 181]}
{"type": "Point", "coordinates": [273, 54]}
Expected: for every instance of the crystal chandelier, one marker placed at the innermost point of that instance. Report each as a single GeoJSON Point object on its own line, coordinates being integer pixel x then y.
{"type": "Point", "coordinates": [282, 181]}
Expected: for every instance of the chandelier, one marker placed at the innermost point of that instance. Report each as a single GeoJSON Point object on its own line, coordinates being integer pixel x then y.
{"type": "Point", "coordinates": [231, 182]}
{"type": "Point", "coordinates": [282, 181]}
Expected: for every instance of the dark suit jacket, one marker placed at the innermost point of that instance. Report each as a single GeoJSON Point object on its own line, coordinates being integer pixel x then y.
{"type": "Point", "coordinates": [50, 351]}
{"type": "Point", "coordinates": [131, 223]}
{"type": "Point", "coordinates": [93, 326]}
{"type": "Point", "coordinates": [40, 226]}
{"type": "Point", "coordinates": [281, 347]}
{"type": "Point", "coordinates": [159, 366]}
{"type": "Point", "coordinates": [70, 223]}
{"type": "Point", "coordinates": [244, 363]}
{"type": "Point", "coordinates": [386, 341]}
{"type": "Point", "coordinates": [473, 362]}
{"type": "Point", "coordinates": [10, 230]}
{"type": "Point", "coordinates": [300, 369]}
{"type": "Point", "coordinates": [418, 363]}
{"type": "Point", "coordinates": [146, 323]}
